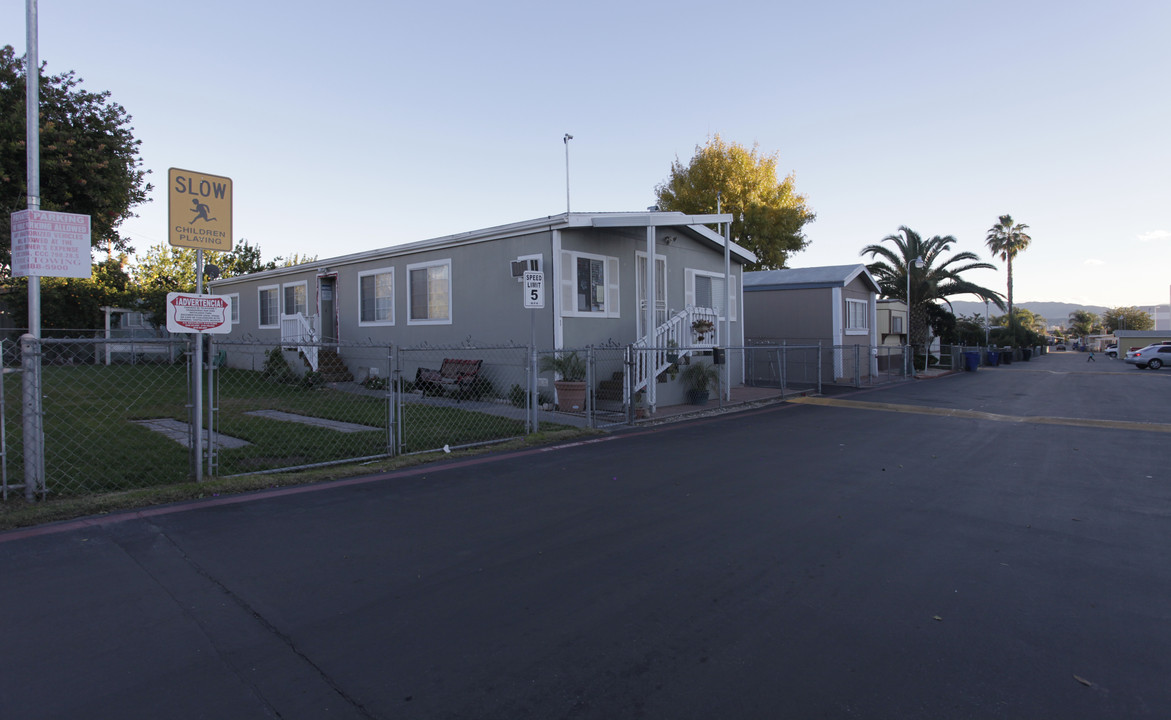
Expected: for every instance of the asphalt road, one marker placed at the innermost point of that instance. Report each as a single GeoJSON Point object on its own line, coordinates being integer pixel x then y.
{"type": "Point", "coordinates": [937, 549]}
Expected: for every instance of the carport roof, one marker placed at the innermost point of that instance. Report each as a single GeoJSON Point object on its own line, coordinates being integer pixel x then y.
{"type": "Point", "coordinates": [825, 276]}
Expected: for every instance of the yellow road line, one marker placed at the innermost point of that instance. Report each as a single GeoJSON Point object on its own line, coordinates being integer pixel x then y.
{"type": "Point", "coordinates": [977, 415]}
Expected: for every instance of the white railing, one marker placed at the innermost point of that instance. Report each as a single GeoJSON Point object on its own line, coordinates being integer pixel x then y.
{"type": "Point", "coordinates": [684, 332]}
{"type": "Point", "coordinates": [300, 333]}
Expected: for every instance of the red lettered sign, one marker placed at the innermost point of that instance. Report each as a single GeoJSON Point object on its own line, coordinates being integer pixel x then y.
{"type": "Point", "coordinates": [190, 313]}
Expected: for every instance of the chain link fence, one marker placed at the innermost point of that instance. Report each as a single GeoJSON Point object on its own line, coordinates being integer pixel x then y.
{"type": "Point", "coordinates": [778, 364]}
{"type": "Point", "coordinates": [119, 414]}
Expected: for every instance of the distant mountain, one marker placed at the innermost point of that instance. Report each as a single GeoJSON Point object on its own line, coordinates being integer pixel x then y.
{"type": "Point", "coordinates": [1055, 313]}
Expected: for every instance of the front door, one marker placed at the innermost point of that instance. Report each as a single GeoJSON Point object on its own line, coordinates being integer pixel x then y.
{"type": "Point", "coordinates": [660, 291]}
{"type": "Point", "coordinates": [326, 293]}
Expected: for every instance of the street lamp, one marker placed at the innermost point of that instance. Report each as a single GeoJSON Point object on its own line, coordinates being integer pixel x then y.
{"type": "Point", "coordinates": [917, 262]}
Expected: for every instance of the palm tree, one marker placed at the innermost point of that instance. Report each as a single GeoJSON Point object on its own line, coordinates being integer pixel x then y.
{"type": "Point", "coordinates": [937, 279]}
{"type": "Point", "coordinates": [1006, 239]}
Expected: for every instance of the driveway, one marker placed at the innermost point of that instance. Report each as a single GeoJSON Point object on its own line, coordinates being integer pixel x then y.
{"type": "Point", "coordinates": [935, 551]}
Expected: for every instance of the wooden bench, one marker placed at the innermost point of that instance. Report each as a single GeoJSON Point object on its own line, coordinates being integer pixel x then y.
{"type": "Point", "coordinates": [452, 375]}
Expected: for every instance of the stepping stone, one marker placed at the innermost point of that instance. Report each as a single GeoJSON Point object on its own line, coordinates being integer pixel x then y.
{"type": "Point", "coordinates": [180, 432]}
{"type": "Point", "coordinates": [337, 425]}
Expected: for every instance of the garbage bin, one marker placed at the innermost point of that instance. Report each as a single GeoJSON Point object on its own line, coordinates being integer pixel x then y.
{"type": "Point", "coordinates": [1006, 356]}
{"type": "Point", "coordinates": [971, 361]}
{"type": "Point", "coordinates": [993, 358]}
{"type": "Point", "coordinates": [1026, 353]}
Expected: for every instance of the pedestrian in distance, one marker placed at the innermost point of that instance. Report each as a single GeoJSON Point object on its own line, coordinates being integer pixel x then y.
{"type": "Point", "coordinates": [1090, 357]}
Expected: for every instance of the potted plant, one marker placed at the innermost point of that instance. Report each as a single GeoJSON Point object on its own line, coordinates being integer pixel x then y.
{"type": "Point", "coordinates": [672, 352]}
{"type": "Point", "coordinates": [699, 377]}
{"type": "Point", "coordinates": [571, 388]}
{"type": "Point", "coordinates": [640, 409]}
{"type": "Point", "coordinates": [702, 328]}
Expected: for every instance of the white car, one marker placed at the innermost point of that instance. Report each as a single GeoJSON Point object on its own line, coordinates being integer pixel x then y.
{"type": "Point", "coordinates": [1152, 356]}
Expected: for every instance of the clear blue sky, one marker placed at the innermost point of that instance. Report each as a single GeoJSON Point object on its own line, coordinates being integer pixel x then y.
{"type": "Point", "coordinates": [351, 126]}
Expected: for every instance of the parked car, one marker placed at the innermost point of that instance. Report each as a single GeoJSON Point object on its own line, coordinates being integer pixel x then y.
{"type": "Point", "coordinates": [1112, 350]}
{"type": "Point", "coordinates": [1152, 356]}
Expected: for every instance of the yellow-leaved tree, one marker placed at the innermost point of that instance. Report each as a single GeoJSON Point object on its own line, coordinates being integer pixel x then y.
{"type": "Point", "coordinates": [769, 214]}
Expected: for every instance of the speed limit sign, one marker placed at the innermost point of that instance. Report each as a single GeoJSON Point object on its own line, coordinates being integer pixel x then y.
{"type": "Point", "coordinates": [534, 284]}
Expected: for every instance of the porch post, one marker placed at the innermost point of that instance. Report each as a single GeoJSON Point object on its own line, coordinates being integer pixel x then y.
{"type": "Point", "coordinates": [727, 340]}
{"type": "Point", "coordinates": [649, 322]}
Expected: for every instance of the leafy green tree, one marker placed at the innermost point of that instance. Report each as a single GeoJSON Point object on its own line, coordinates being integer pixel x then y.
{"type": "Point", "coordinates": [769, 216]}
{"type": "Point", "coordinates": [165, 269]}
{"type": "Point", "coordinates": [1007, 238]}
{"type": "Point", "coordinates": [969, 330]}
{"type": "Point", "coordinates": [89, 157]}
{"type": "Point", "coordinates": [937, 281]}
{"type": "Point", "coordinates": [1082, 323]}
{"type": "Point", "coordinates": [73, 303]}
{"type": "Point", "coordinates": [1127, 318]}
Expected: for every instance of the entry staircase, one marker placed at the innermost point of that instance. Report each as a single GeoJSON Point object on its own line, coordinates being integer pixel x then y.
{"type": "Point", "coordinates": [672, 341]}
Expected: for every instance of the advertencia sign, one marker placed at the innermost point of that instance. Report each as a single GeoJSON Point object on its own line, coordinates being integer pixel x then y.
{"type": "Point", "coordinates": [191, 313]}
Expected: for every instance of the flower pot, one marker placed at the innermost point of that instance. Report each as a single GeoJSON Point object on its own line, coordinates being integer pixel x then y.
{"type": "Point", "coordinates": [697, 397]}
{"type": "Point", "coordinates": [571, 396]}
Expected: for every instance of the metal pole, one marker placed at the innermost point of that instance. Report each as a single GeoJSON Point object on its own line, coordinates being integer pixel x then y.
{"type": "Point", "coordinates": [197, 391]}
{"type": "Point", "coordinates": [32, 120]}
{"type": "Point", "coordinates": [566, 140]}
{"type": "Point", "coordinates": [531, 372]}
{"type": "Point", "coordinates": [34, 467]}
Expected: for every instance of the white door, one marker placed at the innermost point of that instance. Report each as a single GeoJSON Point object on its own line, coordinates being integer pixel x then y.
{"type": "Point", "coordinates": [660, 291]}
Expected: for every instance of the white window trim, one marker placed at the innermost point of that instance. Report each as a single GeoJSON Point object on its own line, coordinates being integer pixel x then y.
{"type": "Point", "coordinates": [689, 291]}
{"type": "Point", "coordinates": [610, 274]}
{"type": "Point", "coordinates": [450, 292]}
{"type": "Point", "coordinates": [393, 287]}
{"type": "Point", "coordinates": [260, 306]}
{"type": "Point", "coordinates": [303, 284]}
{"type": "Point", "coordinates": [233, 308]}
{"type": "Point", "coordinates": [862, 312]}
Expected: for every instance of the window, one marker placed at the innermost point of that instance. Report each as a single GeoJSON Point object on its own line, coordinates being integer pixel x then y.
{"type": "Point", "coordinates": [376, 297]}
{"type": "Point", "coordinates": [269, 306]}
{"type": "Point", "coordinates": [707, 290]}
{"type": "Point", "coordinates": [896, 324]}
{"type": "Point", "coordinates": [857, 321]}
{"type": "Point", "coordinates": [589, 285]}
{"type": "Point", "coordinates": [429, 293]}
{"type": "Point", "coordinates": [233, 307]}
{"type": "Point", "coordinates": [296, 299]}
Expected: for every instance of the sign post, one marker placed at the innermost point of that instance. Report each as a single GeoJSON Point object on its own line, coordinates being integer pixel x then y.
{"type": "Point", "coordinates": [199, 213]}
{"type": "Point", "coordinates": [534, 285]}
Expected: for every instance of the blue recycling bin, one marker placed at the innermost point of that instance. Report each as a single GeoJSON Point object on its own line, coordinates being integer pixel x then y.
{"type": "Point", "coordinates": [971, 361]}
{"type": "Point", "coordinates": [993, 358]}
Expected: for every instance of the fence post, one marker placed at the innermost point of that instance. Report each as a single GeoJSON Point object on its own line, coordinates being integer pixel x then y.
{"type": "Point", "coordinates": [628, 378]}
{"type": "Point", "coordinates": [212, 447]}
{"type": "Point", "coordinates": [33, 439]}
{"type": "Point", "coordinates": [394, 402]}
{"type": "Point", "coordinates": [819, 359]}
{"type": "Point", "coordinates": [591, 421]}
{"type": "Point", "coordinates": [857, 367]}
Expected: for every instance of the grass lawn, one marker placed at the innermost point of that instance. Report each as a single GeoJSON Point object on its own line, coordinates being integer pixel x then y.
{"type": "Point", "coordinates": [92, 444]}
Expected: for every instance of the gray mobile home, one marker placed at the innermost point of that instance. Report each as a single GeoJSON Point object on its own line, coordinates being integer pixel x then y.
{"type": "Point", "coordinates": [466, 289]}
{"type": "Point", "coordinates": [832, 306]}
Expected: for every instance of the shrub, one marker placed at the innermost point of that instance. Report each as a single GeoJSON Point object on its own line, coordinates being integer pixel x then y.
{"type": "Point", "coordinates": [276, 367]}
